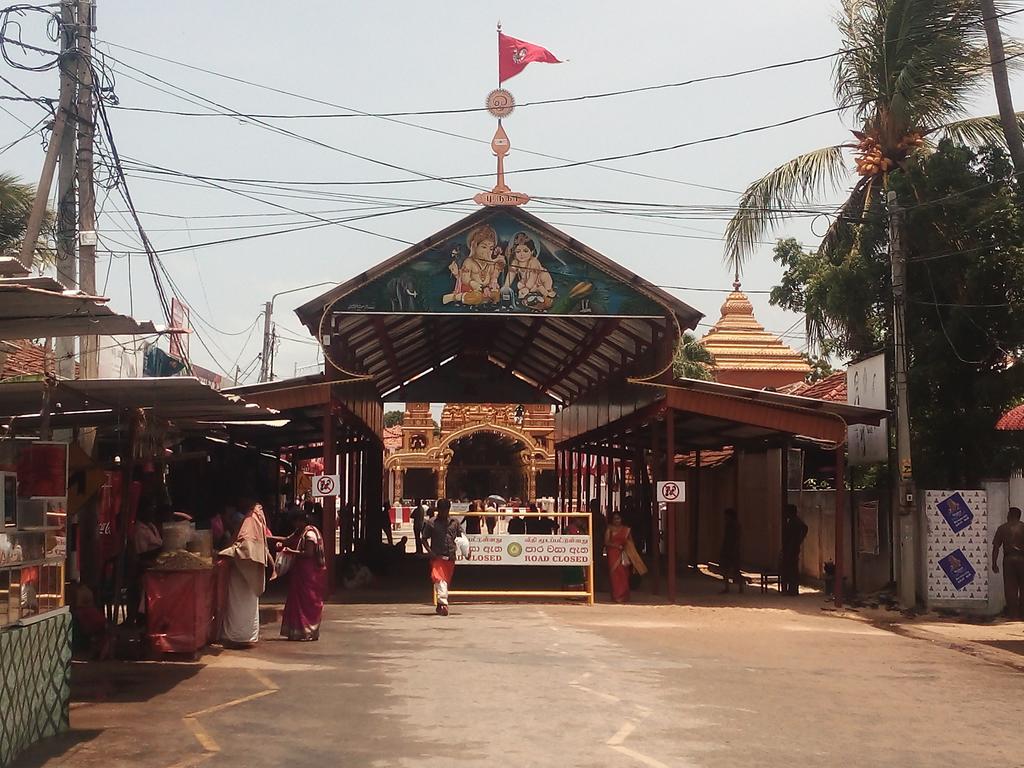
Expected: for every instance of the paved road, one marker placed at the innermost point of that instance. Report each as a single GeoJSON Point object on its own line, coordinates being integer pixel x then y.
{"type": "Point", "coordinates": [765, 683]}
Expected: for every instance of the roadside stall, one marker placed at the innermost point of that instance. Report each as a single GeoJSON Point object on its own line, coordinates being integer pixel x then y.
{"type": "Point", "coordinates": [35, 626]}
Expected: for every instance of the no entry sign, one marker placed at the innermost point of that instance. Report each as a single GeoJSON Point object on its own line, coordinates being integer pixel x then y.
{"type": "Point", "coordinates": [326, 485]}
{"type": "Point", "coordinates": [671, 490]}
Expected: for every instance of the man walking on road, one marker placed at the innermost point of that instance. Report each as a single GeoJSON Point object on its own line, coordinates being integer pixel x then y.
{"type": "Point", "coordinates": [1010, 536]}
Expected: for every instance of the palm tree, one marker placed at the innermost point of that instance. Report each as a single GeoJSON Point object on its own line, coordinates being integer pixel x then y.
{"type": "Point", "coordinates": [1001, 81]}
{"type": "Point", "coordinates": [15, 206]}
{"type": "Point", "coordinates": [905, 72]}
{"type": "Point", "coordinates": [692, 360]}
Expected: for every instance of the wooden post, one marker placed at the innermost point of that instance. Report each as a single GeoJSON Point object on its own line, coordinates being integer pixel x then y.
{"type": "Point", "coordinates": [671, 509]}
{"type": "Point", "coordinates": [329, 524]}
{"type": "Point", "coordinates": [841, 499]}
{"type": "Point", "coordinates": [653, 499]}
{"type": "Point", "coordinates": [695, 513]}
{"type": "Point", "coordinates": [609, 475]}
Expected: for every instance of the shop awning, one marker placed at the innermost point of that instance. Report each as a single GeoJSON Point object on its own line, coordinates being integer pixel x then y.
{"type": "Point", "coordinates": [30, 308]}
{"type": "Point", "coordinates": [93, 402]}
{"type": "Point", "coordinates": [709, 416]}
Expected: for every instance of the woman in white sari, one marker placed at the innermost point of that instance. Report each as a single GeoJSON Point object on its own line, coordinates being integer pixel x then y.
{"type": "Point", "coordinates": [250, 562]}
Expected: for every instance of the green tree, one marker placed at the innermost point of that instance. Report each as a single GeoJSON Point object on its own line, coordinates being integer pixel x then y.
{"type": "Point", "coordinates": [393, 418]}
{"type": "Point", "coordinates": [15, 206]}
{"type": "Point", "coordinates": [906, 71]}
{"type": "Point", "coordinates": [821, 368]}
{"type": "Point", "coordinates": [692, 360]}
{"type": "Point", "coordinates": [965, 318]}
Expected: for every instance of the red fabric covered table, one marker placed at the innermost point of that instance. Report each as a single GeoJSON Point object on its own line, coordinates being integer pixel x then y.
{"type": "Point", "coordinates": [180, 609]}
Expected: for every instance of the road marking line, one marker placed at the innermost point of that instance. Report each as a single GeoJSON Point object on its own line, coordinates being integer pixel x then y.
{"type": "Point", "coordinates": [602, 694]}
{"type": "Point", "coordinates": [228, 704]}
{"type": "Point", "coordinates": [192, 762]}
{"type": "Point", "coordinates": [202, 736]}
{"type": "Point", "coordinates": [622, 734]}
{"type": "Point", "coordinates": [639, 757]}
{"type": "Point", "coordinates": [263, 680]}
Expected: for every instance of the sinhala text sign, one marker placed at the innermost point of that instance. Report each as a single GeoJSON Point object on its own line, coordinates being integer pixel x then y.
{"type": "Point", "coordinates": [515, 549]}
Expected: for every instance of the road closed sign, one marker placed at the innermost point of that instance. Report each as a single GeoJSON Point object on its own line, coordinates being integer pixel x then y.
{"type": "Point", "coordinates": [326, 485]}
{"type": "Point", "coordinates": [671, 490]}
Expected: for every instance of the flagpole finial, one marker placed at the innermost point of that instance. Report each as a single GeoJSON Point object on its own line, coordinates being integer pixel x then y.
{"type": "Point", "coordinates": [499, 25]}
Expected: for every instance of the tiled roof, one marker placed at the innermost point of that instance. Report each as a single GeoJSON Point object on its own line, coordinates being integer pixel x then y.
{"type": "Point", "coordinates": [707, 458]}
{"type": "Point", "coordinates": [1012, 420]}
{"type": "Point", "coordinates": [24, 359]}
{"type": "Point", "coordinates": [831, 388]}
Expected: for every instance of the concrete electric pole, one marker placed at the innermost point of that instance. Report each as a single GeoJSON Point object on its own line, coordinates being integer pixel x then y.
{"type": "Point", "coordinates": [67, 207]}
{"type": "Point", "coordinates": [268, 311]}
{"type": "Point", "coordinates": [906, 501]}
{"type": "Point", "coordinates": [88, 345]}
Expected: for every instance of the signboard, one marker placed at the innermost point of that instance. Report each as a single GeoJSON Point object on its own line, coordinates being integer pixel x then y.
{"type": "Point", "coordinates": [499, 266]}
{"type": "Point", "coordinates": [671, 491]}
{"type": "Point", "coordinates": [867, 528]}
{"type": "Point", "coordinates": [957, 545]}
{"type": "Point", "coordinates": [866, 385]}
{"type": "Point", "coordinates": [43, 470]}
{"type": "Point", "coordinates": [180, 320]}
{"type": "Point", "coordinates": [486, 549]}
{"type": "Point", "coordinates": [326, 485]}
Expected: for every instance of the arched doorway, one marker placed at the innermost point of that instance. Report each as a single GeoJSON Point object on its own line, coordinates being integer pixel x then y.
{"type": "Point", "coordinates": [485, 463]}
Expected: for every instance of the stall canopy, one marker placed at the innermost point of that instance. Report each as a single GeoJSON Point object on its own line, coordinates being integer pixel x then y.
{"type": "Point", "coordinates": [708, 416]}
{"type": "Point", "coordinates": [502, 303]}
{"type": "Point", "coordinates": [35, 308]}
{"type": "Point", "coordinates": [91, 402]}
{"type": "Point", "coordinates": [303, 401]}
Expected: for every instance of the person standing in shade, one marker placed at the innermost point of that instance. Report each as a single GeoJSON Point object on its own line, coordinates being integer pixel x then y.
{"type": "Point", "coordinates": [307, 580]}
{"type": "Point", "coordinates": [440, 534]}
{"type": "Point", "coordinates": [251, 563]}
{"type": "Point", "coordinates": [1010, 536]}
{"type": "Point", "coordinates": [729, 558]}
{"type": "Point", "coordinates": [472, 522]}
{"type": "Point", "coordinates": [794, 531]}
{"type": "Point", "coordinates": [418, 515]}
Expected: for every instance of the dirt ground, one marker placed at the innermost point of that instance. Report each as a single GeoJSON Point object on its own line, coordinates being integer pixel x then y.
{"type": "Point", "coordinates": [752, 680]}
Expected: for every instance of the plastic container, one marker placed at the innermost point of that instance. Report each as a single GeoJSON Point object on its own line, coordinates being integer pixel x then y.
{"type": "Point", "coordinates": [176, 536]}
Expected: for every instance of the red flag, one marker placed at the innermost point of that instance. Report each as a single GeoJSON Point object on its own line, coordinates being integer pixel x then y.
{"type": "Point", "coordinates": [514, 55]}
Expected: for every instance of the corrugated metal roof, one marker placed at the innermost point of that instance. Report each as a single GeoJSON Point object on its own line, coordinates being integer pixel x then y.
{"type": "Point", "coordinates": [88, 401]}
{"type": "Point", "coordinates": [27, 312]}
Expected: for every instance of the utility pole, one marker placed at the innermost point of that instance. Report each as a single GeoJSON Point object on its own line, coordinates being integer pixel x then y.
{"type": "Point", "coordinates": [906, 502]}
{"type": "Point", "coordinates": [67, 209]}
{"type": "Point", "coordinates": [53, 150]}
{"type": "Point", "coordinates": [268, 311]}
{"type": "Point", "coordinates": [89, 345]}
{"type": "Point", "coordinates": [1001, 81]}
{"type": "Point", "coordinates": [273, 352]}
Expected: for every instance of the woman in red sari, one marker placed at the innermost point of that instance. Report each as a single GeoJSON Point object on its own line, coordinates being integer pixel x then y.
{"type": "Point", "coordinates": [307, 581]}
{"type": "Point", "coordinates": [617, 541]}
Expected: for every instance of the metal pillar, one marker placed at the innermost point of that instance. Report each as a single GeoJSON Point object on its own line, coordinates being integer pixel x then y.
{"type": "Point", "coordinates": [671, 510]}
{"type": "Point", "coordinates": [841, 502]}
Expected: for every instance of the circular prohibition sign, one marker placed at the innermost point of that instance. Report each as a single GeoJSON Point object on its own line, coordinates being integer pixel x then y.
{"type": "Point", "coordinates": [325, 485]}
{"type": "Point", "coordinates": [670, 491]}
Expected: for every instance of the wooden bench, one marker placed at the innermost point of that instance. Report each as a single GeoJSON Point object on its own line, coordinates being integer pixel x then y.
{"type": "Point", "coordinates": [770, 577]}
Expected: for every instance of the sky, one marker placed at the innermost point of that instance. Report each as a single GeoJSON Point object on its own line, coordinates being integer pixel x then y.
{"type": "Point", "coordinates": [403, 56]}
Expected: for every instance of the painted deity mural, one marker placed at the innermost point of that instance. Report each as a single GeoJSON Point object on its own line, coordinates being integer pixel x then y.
{"type": "Point", "coordinates": [498, 266]}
